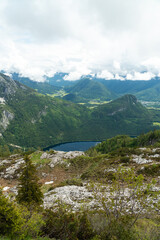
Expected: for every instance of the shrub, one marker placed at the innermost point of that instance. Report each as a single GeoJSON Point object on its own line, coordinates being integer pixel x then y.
{"type": "Point", "coordinates": [73, 181]}
{"type": "Point", "coordinates": [119, 230]}
{"type": "Point", "coordinates": [60, 223]}
{"type": "Point", "coordinates": [148, 229]}
{"type": "Point", "coordinates": [51, 151]}
{"type": "Point", "coordinates": [16, 221]}
{"type": "Point", "coordinates": [150, 170]}
{"type": "Point", "coordinates": [66, 225]}
{"type": "Point", "coordinates": [124, 201]}
{"type": "Point", "coordinates": [33, 222]}
{"type": "Point", "coordinates": [85, 230]}
{"type": "Point", "coordinates": [125, 159]}
{"type": "Point", "coordinates": [10, 217]}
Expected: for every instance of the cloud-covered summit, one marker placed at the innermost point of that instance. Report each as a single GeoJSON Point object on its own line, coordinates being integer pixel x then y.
{"type": "Point", "coordinates": [110, 38]}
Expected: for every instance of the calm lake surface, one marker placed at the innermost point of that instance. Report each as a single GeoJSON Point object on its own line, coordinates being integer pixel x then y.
{"type": "Point", "coordinates": [74, 146]}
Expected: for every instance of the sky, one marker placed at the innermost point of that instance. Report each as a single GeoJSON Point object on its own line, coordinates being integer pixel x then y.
{"type": "Point", "coordinates": [112, 39]}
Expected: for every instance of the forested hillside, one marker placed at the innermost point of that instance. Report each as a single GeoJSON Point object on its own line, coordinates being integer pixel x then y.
{"type": "Point", "coordinates": [31, 119]}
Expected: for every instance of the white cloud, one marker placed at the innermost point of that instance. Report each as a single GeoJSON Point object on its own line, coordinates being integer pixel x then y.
{"type": "Point", "coordinates": [106, 75]}
{"type": "Point", "coordinates": [77, 69]}
{"type": "Point", "coordinates": [116, 65]}
{"type": "Point", "coordinates": [73, 76]}
{"type": "Point", "coordinates": [152, 64]}
{"type": "Point", "coordinates": [140, 76]}
{"type": "Point", "coordinates": [118, 77]}
{"type": "Point", "coordinates": [112, 38]}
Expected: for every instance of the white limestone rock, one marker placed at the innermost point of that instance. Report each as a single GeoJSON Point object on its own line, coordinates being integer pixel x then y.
{"type": "Point", "coordinates": [14, 190]}
{"type": "Point", "coordinates": [5, 189]}
{"type": "Point", "coordinates": [4, 162]}
{"type": "Point", "coordinates": [44, 155]}
{"type": "Point", "coordinates": [140, 160]}
{"type": "Point", "coordinates": [2, 101]}
{"type": "Point", "coordinates": [58, 157]}
{"type": "Point", "coordinates": [110, 170]}
{"type": "Point", "coordinates": [74, 196]}
{"type": "Point", "coordinates": [73, 154]}
{"type": "Point", "coordinates": [156, 155]}
{"type": "Point", "coordinates": [10, 171]}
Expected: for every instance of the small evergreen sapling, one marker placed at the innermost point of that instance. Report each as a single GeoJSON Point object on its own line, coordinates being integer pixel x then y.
{"type": "Point", "coordinates": [29, 192]}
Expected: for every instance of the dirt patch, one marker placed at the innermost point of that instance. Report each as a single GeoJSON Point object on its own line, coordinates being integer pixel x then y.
{"type": "Point", "coordinates": [8, 183]}
{"type": "Point", "coordinates": [57, 175]}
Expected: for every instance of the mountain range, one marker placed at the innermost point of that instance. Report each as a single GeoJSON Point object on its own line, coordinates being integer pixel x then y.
{"type": "Point", "coordinates": [31, 119]}
{"type": "Point", "coordinates": [90, 88]}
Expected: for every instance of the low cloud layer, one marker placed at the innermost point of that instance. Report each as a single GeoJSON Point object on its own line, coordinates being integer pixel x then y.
{"type": "Point", "coordinates": [113, 39]}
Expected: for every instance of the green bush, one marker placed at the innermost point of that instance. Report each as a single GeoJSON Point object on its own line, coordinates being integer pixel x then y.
{"type": "Point", "coordinates": [148, 229]}
{"type": "Point", "coordinates": [85, 230]}
{"type": "Point", "coordinates": [61, 224]}
{"type": "Point", "coordinates": [97, 237]}
{"type": "Point", "coordinates": [73, 181]}
{"type": "Point", "coordinates": [33, 222]}
{"type": "Point", "coordinates": [51, 151]}
{"type": "Point", "coordinates": [125, 159]}
{"type": "Point", "coordinates": [150, 170]}
{"type": "Point", "coordinates": [66, 225]}
{"type": "Point", "coordinates": [119, 231]}
{"type": "Point", "coordinates": [16, 221]}
{"type": "Point", "coordinates": [11, 220]}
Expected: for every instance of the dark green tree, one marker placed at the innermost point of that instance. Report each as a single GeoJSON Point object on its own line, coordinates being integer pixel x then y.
{"type": "Point", "coordinates": [29, 192]}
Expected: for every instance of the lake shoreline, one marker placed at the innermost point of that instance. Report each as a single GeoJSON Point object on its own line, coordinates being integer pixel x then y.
{"type": "Point", "coordinates": [59, 146]}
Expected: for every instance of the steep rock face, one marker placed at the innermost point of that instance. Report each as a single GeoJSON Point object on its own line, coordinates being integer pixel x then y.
{"type": "Point", "coordinates": [9, 90]}
{"type": "Point", "coordinates": [7, 86]}
{"type": "Point", "coordinates": [5, 119]}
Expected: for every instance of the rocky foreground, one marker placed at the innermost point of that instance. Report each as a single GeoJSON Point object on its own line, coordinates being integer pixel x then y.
{"type": "Point", "coordinates": [56, 172]}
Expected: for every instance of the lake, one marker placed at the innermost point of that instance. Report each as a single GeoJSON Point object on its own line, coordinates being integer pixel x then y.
{"type": "Point", "coordinates": [74, 146]}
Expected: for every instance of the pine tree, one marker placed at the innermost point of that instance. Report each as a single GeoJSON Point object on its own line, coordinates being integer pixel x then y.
{"type": "Point", "coordinates": [29, 192]}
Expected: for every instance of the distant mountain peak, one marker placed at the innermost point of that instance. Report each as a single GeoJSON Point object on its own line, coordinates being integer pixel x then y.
{"type": "Point", "coordinates": [9, 87]}
{"type": "Point", "coordinates": [88, 89]}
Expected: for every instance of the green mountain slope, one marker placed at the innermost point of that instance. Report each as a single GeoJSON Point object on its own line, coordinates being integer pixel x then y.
{"type": "Point", "coordinates": [87, 89]}
{"type": "Point", "coordinates": [128, 86]}
{"type": "Point", "coordinates": [30, 119]}
{"type": "Point", "coordinates": [121, 116]}
{"type": "Point", "coordinates": [143, 90]}
{"type": "Point", "coordinates": [150, 94]}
